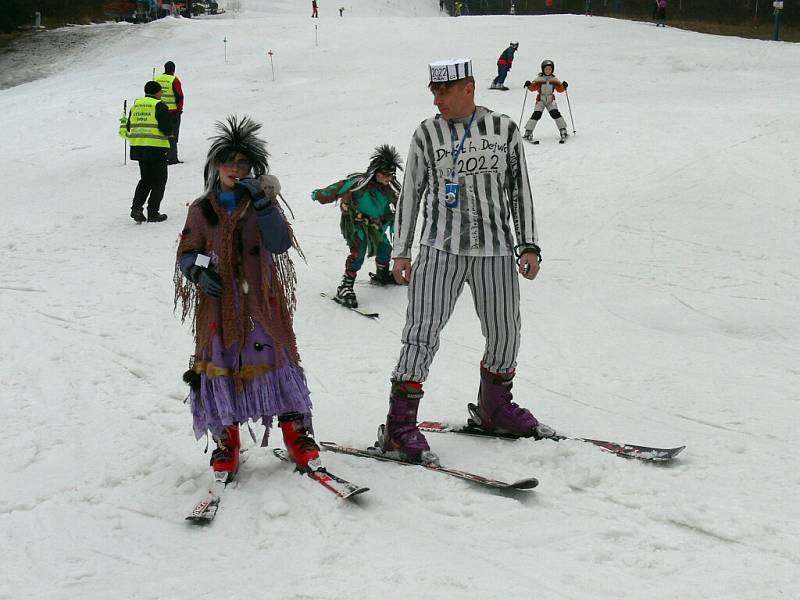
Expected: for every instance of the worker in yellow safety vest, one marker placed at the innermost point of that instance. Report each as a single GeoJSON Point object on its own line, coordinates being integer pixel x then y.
{"type": "Point", "coordinates": [173, 98]}
{"type": "Point", "coordinates": [149, 129]}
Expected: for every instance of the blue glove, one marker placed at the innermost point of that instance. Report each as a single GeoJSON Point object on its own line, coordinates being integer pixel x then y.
{"type": "Point", "coordinates": [207, 280]}
{"type": "Point", "coordinates": [253, 187]}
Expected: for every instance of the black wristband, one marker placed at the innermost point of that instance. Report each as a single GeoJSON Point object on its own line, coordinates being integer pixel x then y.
{"type": "Point", "coordinates": [521, 249]}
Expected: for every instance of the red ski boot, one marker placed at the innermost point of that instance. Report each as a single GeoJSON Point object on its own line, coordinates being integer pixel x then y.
{"type": "Point", "coordinates": [225, 458]}
{"type": "Point", "coordinates": [302, 448]}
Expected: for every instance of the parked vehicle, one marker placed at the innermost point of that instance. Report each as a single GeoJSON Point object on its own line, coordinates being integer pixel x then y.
{"type": "Point", "coordinates": [139, 11]}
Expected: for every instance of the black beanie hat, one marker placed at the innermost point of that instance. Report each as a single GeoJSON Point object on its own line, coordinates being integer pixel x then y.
{"type": "Point", "coordinates": [152, 87]}
{"type": "Point", "coordinates": [169, 67]}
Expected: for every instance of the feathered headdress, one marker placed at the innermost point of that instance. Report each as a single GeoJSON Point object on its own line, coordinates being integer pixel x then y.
{"type": "Point", "coordinates": [385, 159]}
{"type": "Point", "coordinates": [238, 135]}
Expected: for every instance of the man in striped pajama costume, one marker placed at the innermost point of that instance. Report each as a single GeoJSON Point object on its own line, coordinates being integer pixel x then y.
{"type": "Point", "coordinates": [466, 171]}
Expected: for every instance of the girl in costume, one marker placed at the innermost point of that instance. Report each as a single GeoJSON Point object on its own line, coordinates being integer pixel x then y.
{"type": "Point", "coordinates": [235, 280]}
{"type": "Point", "coordinates": [367, 202]}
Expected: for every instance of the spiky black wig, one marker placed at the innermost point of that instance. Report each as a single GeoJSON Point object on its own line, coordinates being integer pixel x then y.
{"type": "Point", "coordinates": [385, 159]}
{"type": "Point", "coordinates": [237, 135]}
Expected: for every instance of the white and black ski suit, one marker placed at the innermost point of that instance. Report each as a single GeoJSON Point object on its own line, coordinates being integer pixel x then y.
{"type": "Point", "coordinates": [546, 86]}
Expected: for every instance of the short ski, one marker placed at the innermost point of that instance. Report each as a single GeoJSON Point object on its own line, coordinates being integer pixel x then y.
{"type": "Point", "coordinates": [363, 313]}
{"type": "Point", "coordinates": [376, 453]}
{"type": "Point", "coordinates": [206, 509]}
{"type": "Point", "coordinates": [645, 453]}
{"type": "Point", "coordinates": [337, 485]}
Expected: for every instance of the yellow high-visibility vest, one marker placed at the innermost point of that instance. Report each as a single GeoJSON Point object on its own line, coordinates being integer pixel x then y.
{"type": "Point", "coordinates": [144, 125]}
{"type": "Point", "coordinates": [165, 81]}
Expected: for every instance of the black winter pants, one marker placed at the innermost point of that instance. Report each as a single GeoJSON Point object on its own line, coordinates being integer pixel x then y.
{"type": "Point", "coordinates": [172, 156]}
{"type": "Point", "coordinates": [153, 181]}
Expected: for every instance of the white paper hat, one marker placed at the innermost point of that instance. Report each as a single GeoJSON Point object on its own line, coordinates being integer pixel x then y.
{"type": "Point", "coordinates": [451, 69]}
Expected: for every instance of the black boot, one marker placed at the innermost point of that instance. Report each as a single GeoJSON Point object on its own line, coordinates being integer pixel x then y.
{"type": "Point", "coordinates": [383, 276]}
{"type": "Point", "coordinates": [156, 217]}
{"type": "Point", "coordinates": [345, 294]}
{"type": "Point", "coordinates": [137, 214]}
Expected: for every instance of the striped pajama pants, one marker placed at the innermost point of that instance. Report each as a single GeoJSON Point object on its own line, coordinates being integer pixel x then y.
{"type": "Point", "coordinates": [437, 279]}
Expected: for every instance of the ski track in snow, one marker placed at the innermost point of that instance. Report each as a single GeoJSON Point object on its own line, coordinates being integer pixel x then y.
{"type": "Point", "coordinates": [665, 314]}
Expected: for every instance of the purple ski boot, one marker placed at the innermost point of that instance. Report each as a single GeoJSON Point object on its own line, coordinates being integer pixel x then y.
{"type": "Point", "coordinates": [495, 410]}
{"type": "Point", "coordinates": [400, 435]}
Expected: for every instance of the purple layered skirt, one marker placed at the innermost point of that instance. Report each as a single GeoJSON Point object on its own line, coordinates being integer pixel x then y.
{"type": "Point", "coordinates": [279, 390]}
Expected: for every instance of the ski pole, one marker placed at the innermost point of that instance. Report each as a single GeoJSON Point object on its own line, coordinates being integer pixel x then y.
{"type": "Point", "coordinates": [524, 100]}
{"type": "Point", "coordinates": [125, 141]}
{"type": "Point", "coordinates": [570, 111]}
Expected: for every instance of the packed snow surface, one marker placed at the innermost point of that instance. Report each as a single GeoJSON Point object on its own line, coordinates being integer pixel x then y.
{"type": "Point", "coordinates": [666, 313]}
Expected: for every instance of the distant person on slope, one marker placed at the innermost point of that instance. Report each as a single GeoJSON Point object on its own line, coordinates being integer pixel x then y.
{"type": "Point", "coordinates": [504, 66]}
{"type": "Point", "coordinates": [466, 171]}
{"type": "Point", "coordinates": [661, 13]}
{"type": "Point", "coordinates": [314, 9]}
{"type": "Point", "coordinates": [367, 202]}
{"type": "Point", "coordinates": [173, 98]}
{"type": "Point", "coordinates": [235, 280]}
{"type": "Point", "coordinates": [546, 85]}
{"type": "Point", "coordinates": [148, 129]}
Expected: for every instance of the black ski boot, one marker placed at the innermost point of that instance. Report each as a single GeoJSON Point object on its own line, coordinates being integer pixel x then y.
{"type": "Point", "coordinates": [345, 294]}
{"type": "Point", "coordinates": [137, 214]}
{"type": "Point", "coordinates": [382, 276]}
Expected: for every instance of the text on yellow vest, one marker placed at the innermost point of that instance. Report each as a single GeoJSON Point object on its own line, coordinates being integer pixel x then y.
{"type": "Point", "coordinates": [165, 81]}
{"type": "Point", "coordinates": [144, 125]}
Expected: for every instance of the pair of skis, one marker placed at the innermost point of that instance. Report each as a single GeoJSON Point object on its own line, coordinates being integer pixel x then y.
{"type": "Point", "coordinates": [631, 451]}
{"type": "Point", "coordinates": [363, 313]}
{"type": "Point", "coordinates": [536, 142]}
{"type": "Point", "coordinates": [370, 315]}
{"type": "Point", "coordinates": [206, 509]}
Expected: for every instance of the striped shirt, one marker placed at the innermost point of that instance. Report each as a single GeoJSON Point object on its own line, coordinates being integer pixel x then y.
{"type": "Point", "coordinates": [494, 190]}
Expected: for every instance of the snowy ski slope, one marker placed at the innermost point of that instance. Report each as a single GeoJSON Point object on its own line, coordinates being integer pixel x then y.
{"type": "Point", "coordinates": [666, 313]}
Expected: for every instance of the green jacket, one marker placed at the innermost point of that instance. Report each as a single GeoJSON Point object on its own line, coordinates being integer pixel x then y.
{"type": "Point", "coordinates": [369, 209]}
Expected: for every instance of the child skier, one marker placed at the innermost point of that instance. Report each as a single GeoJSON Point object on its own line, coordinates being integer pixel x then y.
{"type": "Point", "coordinates": [546, 84]}
{"type": "Point", "coordinates": [367, 202]}
{"type": "Point", "coordinates": [504, 66]}
{"type": "Point", "coordinates": [234, 278]}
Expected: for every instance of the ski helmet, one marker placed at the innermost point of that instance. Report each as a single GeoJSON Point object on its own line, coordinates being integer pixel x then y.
{"type": "Point", "coordinates": [550, 63]}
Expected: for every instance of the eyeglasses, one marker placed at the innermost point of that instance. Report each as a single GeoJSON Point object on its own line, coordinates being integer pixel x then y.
{"type": "Point", "coordinates": [241, 164]}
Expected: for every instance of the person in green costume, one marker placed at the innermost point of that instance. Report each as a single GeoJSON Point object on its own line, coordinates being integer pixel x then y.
{"type": "Point", "coordinates": [367, 202]}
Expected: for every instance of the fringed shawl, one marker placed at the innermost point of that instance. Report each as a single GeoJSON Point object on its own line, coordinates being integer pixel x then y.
{"type": "Point", "coordinates": [257, 285]}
